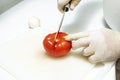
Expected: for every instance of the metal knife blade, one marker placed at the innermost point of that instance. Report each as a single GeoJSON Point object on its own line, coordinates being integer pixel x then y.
{"type": "Point", "coordinates": [66, 8]}
{"type": "Point", "coordinates": [117, 69]}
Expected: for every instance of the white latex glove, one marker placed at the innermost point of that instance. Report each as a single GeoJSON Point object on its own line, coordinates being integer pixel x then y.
{"type": "Point", "coordinates": [63, 3]}
{"type": "Point", "coordinates": [99, 45]}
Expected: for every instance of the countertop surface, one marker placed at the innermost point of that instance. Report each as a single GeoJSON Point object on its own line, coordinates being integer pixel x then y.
{"type": "Point", "coordinates": [14, 23]}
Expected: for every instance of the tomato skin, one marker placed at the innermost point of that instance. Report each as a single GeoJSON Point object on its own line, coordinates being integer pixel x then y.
{"type": "Point", "coordinates": [58, 47]}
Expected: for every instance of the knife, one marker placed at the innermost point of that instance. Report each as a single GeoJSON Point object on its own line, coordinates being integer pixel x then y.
{"type": "Point", "coordinates": [117, 69]}
{"type": "Point", "coordinates": [65, 9]}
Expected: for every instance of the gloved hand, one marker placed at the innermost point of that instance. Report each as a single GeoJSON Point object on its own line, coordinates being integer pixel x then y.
{"type": "Point", "coordinates": [63, 3]}
{"type": "Point", "coordinates": [99, 45]}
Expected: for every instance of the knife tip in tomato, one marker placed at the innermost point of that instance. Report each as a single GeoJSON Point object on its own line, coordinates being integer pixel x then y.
{"type": "Point", "coordinates": [59, 47]}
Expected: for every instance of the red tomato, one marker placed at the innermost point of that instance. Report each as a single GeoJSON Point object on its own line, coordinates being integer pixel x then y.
{"type": "Point", "coordinates": [58, 47]}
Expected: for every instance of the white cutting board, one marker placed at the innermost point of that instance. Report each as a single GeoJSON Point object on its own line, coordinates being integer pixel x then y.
{"type": "Point", "coordinates": [25, 58]}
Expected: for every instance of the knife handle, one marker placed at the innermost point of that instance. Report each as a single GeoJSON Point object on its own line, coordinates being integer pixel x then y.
{"type": "Point", "coordinates": [66, 8]}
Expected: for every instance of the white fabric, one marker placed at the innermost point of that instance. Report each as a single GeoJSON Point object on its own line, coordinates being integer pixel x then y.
{"type": "Point", "coordinates": [111, 9]}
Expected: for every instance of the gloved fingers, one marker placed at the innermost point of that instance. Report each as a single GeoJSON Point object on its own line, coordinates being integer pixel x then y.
{"type": "Point", "coordinates": [73, 4]}
{"type": "Point", "coordinates": [94, 59]}
{"type": "Point", "coordinates": [82, 42]}
{"type": "Point", "coordinates": [76, 36]}
{"type": "Point", "coordinates": [61, 4]}
{"type": "Point", "coordinates": [88, 51]}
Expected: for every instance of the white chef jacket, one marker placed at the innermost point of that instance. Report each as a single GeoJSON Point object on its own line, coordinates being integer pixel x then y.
{"type": "Point", "coordinates": [111, 9]}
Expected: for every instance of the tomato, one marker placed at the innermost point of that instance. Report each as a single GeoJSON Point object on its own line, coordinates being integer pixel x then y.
{"type": "Point", "coordinates": [58, 47]}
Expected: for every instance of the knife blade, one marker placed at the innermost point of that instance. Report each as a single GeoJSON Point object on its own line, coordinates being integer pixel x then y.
{"type": "Point", "coordinates": [66, 9]}
{"type": "Point", "coordinates": [117, 69]}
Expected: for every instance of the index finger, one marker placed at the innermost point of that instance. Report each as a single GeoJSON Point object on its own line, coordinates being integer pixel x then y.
{"type": "Point", "coordinates": [76, 36]}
